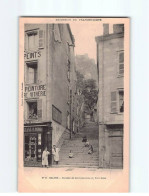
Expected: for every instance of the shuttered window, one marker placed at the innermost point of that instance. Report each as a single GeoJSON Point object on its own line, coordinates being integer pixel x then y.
{"type": "Point", "coordinates": [121, 101]}
{"type": "Point", "coordinates": [68, 120]}
{"type": "Point", "coordinates": [113, 102]}
{"type": "Point", "coordinates": [31, 41]}
{"type": "Point", "coordinates": [41, 39]}
{"type": "Point", "coordinates": [31, 72]}
{"type": "Point", "coordinates": [32, 110]}
{"type": "Point", "coordinates": [121, 63]}
{"type": "Point", "coordinates": [68, 94]}
{"type": "Point", "coordinates": [34, 40]}
{"type": "Point", "coordinates": [39, 108]}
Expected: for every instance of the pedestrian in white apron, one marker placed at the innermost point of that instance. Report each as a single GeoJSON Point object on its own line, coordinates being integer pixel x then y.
{"type": "Point", "coordinates": [45, 157]}
{"type": "Point", "coordinates": [55, 152]}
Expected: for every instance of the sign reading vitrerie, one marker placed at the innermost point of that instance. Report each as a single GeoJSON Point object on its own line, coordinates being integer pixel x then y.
{"type": "Point", "coordinates": [34, 91]}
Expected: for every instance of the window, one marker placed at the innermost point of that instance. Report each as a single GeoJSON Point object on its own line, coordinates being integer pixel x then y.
{"type": "Point", "coordinates": [68, 71]}
{"type": "Point", "coordinates": [121, 101]}
{"type": "Point", "coordinates": [68, 120]}
{"type": "Point", "coordinates": [117, 101]}
{"type": "Point", "coordinates": [56, 114]}
{"type": "Point", "coordinates": [121, 63]}
{"type": "Point", "coordinates": [113, 102]}
{"type": "Point", "coordinates": [68, 94]}
{"type": "Point", "coordinates": [32, 40]}
{"type": "Point", "coordinates": [31, 75]}
{"type": "Point", "coordinates": [32, 110]}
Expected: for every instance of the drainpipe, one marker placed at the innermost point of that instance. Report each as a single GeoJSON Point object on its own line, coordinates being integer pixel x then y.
{"type": "Point", "coordinates": [70, 114]}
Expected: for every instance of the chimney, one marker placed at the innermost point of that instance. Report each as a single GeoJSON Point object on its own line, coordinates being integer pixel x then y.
{"type": "Point", "coordinates": [118, 28]}
{"type": "Point", "coordinates": [105, 29]}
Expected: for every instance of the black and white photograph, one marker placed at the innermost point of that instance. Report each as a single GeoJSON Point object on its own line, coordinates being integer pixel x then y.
{"type": "Point", "coordinates": [73, 123]}
{"type": "Point", "coordinates": [74, 95]}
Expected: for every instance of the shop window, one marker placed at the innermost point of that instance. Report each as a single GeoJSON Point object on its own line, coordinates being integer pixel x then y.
{"type": "Point", "coordinates": [31, 76]}
{"type": "Point", "coordinates": [32, 110]}
{"type": "Point", "coordinates": [30, 147]}
{"type": "Point", "coordinates": [121, 101]}
{"type": "Point", "coordinates": [121, 63]}
{"type": "Point", "coordinates": [26, 146]}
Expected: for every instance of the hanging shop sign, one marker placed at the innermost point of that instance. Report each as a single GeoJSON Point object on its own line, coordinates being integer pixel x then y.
{"type": "Point", "coordinates": [32, 55]}
{"type": "Point", "coordinates": [34, 91]}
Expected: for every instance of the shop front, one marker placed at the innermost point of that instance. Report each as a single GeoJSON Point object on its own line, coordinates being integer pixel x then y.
{"type": "Point", "coordinates": [37, 136]}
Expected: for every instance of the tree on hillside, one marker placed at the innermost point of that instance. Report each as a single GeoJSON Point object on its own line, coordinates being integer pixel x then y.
{"type": "Point", "coordinates": [80, 82]}
{"type": "Point", "coordinates": [86, 66]}
{"type": "Point", "coordinates": [90, 94]}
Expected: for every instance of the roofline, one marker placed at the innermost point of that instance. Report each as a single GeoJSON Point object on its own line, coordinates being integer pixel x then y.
{"type": "Point", "coordinates": [109, 36]}
{"type": "Point", "coordinates": [71, 35]}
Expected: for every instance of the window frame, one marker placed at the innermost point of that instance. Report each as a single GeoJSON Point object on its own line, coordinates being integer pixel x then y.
{"type": "Point", "coordinates": [27, 34]}
{"type": "Point", "coordinates": [117, 101]}
{"type": "Point", "coordinates": [28, 102]}
{"type": "Point", "coordinates": [40, 40]}
{"type": "Point", "coordinates": [113, 112]}
{"type": "Point", "coordinates": [120, 90]}
{"type": "Point", "coordinates": [27, 63]}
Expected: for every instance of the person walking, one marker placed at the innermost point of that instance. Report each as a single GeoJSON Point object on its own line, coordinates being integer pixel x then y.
{"type": "Point", "coordinates": [45, 158]}
{"type": "Point", "coordinates": [90, 151]}
{"type": "Point", "coordinates": [55, 152]}
{"type": "Point", "coordinates": [70, 154]}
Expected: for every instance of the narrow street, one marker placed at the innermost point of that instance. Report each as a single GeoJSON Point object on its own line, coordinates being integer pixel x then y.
{"type": "Point", "coordinates": [81, 157]}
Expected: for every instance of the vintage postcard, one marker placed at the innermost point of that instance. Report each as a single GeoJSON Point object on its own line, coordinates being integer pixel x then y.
{"type": "Point", "coordinates": [73, 123]}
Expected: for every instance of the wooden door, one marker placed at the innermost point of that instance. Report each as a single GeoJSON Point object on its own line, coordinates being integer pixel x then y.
{"type": "Point", "coordinates": [116, 149]}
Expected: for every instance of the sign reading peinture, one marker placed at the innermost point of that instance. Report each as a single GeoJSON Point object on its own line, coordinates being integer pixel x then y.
{"type": "Point", "coordinates": [34, 91]}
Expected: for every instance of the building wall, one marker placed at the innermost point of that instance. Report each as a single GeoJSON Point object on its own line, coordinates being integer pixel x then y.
{"type": "Point", "coordinates": [41, 59]}
{"type": "Point", "coordinates": [110, 124]}
{"type": "Point", "coordinates": [62, 51]}
{"type": "Point", "coordinates": [109, 80]}
{"type": "Point", "coordinates": [55, 48]}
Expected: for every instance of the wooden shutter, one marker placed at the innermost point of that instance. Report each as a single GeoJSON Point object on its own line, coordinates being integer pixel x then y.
{"type": "Point", "coordinates": [113, 102]}
{"type": "Point", "coordinates": [26, 42]}
{"type": "Point", "coordinates": [39, 108]}
{"type": "Point", "coordinates": [41, 39]}
{"type": "Point", "coordinates": [121, 63]}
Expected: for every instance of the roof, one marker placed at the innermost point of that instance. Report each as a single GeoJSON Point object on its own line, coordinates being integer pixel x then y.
{"type": "Point", "coordinates": [71, 35]}
{"type": "Point", "coordinates": [109, 36]}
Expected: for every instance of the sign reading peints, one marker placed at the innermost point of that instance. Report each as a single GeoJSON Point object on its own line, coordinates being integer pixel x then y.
{"type": "Point", "coordinates": [34, 91]}
{"type": "Point", "coordinates": [32, 55]}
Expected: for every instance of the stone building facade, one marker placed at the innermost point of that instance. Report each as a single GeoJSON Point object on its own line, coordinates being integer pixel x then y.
{"type": "Point", "coordinates": [49, 88]}
{"type": "Point", "coordinates": [110, 64]}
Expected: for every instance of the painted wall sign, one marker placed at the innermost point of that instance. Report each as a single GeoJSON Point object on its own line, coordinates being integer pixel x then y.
{"type": "Point", "coordinates": [33, 129]}
{"type": "Point", "coordinates": [32, 55]}
{"type": "Point", "coordinates": [34, 91]}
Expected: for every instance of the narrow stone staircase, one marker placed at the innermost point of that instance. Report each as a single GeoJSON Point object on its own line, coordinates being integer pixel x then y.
{"type": "Point", "coordinates": [81, 157]}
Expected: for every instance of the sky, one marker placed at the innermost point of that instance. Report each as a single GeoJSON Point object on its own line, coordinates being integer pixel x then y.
{"type": "Point", "coordinates": [84, 34]}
